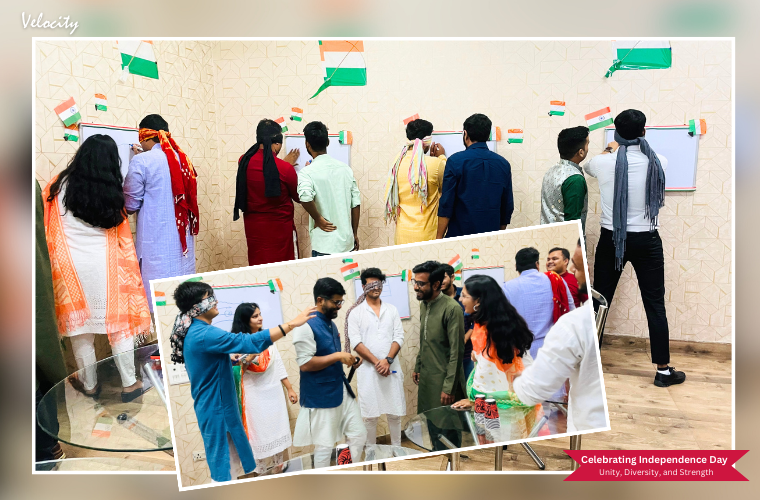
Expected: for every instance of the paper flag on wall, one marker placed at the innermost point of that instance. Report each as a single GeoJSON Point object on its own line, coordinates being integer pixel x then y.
{"type": "Point", "coordinates": [71, 133]}
{"type": "Point", "coordinates": [475, 253]}
{"type": "Point", "coordinates": [697, 127]}
{"type": "Point", "coordinates": [514, 135]}
{"type": "Point", "coordinates": [640, 54]}
{"type": "Point", "coordinates": [598, 119]}
{"type": "Point", "coordinates": [160, 298]}
{"type": "Point", "coordinates": [197, 278]}
{"type": "Point", "coordinates": [275, 285]}
{"type": "Point", "coordinates": [343, 63]}
{"type": "Point", "coordinates": [456, 263]}
{"type": "Point", "coordinates": [495, 134]}
{"type": "Point", "coordinates": [282, 123]}
{"type": "Point", "coordinates": [138, 57]}
{"type": "Point", "coordinates": [458, 275]}
{"type": "Point", "coordinates": [101, 104]}
{"type": "Point", "coordinates": [296, 114]}
{"type": "Point", "coordinates": [405, 274]}
{"type": "Point", "coordinates": [415, 116]}
{"type": "Point", "coordinates": [350, 271]}
{"type": "Point", "coordinates": [68, 112]}
{"type": "Point", "coordinates": [345, 137]}
{"type": "Point", "coordinates": [557, 108]}
{"type": "Point", "coordinates": [346, 261]}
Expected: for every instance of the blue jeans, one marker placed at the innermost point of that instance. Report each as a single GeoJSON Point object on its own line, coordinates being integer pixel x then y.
{"type": "Point", "coordinates": [468, 364]}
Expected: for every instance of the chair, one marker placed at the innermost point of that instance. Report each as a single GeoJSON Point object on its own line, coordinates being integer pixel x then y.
{"type": "Point", "coordinates": [601, 313]}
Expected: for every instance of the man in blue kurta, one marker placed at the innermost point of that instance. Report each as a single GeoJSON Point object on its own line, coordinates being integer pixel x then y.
{"type": "Point", "coordinates": [205, 350]}
{"type": "Point", "coordinates": [329, 409]}
{"type": "Point", "coordinates": [476, 194]}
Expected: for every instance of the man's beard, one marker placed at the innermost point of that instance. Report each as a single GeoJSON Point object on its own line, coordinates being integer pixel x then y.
{"type": "Point", "coordinates": [332, 313]}
{"type": "Point", "coordinates": [426, 295]}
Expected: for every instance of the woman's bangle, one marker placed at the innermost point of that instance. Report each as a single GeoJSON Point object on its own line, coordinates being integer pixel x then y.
{"type": "Point", "coordinates": [282, 330]}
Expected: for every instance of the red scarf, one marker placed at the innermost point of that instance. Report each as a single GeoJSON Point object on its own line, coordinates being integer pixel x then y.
{"type": "Point", "coordinates": [184, 184]}
{"type": "Point", "coordinates": [559, 292]}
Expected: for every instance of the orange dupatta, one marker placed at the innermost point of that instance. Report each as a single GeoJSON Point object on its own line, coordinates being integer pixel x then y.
{"type": "Point", "coordinates": [259, 367]}
{"type": "Point", "coordinates": [127, 311]}
{"type": "Point", "coordinates": [511, 370]}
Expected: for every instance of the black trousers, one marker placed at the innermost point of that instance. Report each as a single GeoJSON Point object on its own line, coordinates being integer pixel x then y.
{"type": "Point", "coordinates": [644, 252]}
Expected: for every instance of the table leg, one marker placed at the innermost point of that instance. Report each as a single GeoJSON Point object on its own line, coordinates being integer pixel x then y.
{"type": "Point", "coordinates": [575, 444]}
{"type": "Point", "coordinates": [367, 467]}
{"type": "Point", "coordinates": [381, 466]}
{"type": "Point", "coordinates": [533, 455]}
{"type": "Point", "coordinates": [455, 463]}
{"type": "Point", "coordinates": [498, 458]}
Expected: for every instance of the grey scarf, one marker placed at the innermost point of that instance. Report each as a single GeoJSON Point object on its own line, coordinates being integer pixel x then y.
{"type": "Point", "coordinates": [655, 193]}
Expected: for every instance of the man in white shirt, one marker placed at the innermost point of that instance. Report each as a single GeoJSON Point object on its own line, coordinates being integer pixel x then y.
{"type": "Point", "coordinates": [375, 333]}
{"type": "Point", "coordinates": [628, 232]}
{"type": "Point", "coordinates": [569, 351]}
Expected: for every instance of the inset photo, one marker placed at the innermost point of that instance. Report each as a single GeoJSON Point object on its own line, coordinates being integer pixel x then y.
{"type": "Point", "coordinates": [380, 355]}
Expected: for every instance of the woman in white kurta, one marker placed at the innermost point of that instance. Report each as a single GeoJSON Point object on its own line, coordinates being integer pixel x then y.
{"type": "Point", "coordinates": [265, 411]}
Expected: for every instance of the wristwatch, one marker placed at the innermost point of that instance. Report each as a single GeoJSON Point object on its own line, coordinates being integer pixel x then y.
{"type": "Point", "coordinates": [389, 360]}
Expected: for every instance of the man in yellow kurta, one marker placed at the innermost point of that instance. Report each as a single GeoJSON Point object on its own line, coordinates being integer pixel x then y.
{"type": "Point", "coordinates": [414, 184]}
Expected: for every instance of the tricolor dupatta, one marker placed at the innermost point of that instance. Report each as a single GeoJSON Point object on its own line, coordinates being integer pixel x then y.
{"type": "Point", "coordinates": [418, 178]}
{"type": "Point", "coordinates": [127, 312]}
{"type": "Point", "coordinates": [184, 184]}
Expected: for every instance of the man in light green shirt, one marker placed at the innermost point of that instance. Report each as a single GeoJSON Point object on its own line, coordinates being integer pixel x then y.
{"type": "Point", "coordinates": [329, 193]}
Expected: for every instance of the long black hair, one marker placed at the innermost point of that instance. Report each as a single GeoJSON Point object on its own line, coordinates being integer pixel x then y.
{"type": "Point", "coordinates": [268, 132]}
{"type": "Point", "coordinates": [93, 180]}
{"type": "Point", "coordinates": [241, 321]}
{"type": "Point", "coordinates": [506, 329]}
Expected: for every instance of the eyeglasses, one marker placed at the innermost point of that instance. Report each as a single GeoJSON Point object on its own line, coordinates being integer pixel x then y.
{"type": "Point", "coordinates": [336, 302]}
{"type": "Point", "coordinates": [420, 284]}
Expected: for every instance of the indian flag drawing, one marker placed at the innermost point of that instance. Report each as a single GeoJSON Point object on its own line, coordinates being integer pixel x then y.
{"type": "Point", "coordinates": [514, 135]}
{"type": "Point", "coordinates": [697, 127]}
{"type": "Point", "coordinates": [275, 285]}
{"type": "Point", "coordinates": [495, 134]}
{"type": "Point", "coordinates": [557, 108]}
{"type": "Point", "coordinates": [282, 123]}
{"type": "Point", "coordinates": [345, 137]}
{"type": "Point", "coordinates": [350, 271]}
{"type": "Point", "coordinates": [296, 114]}
{"type": "Point", "coordinates": [456, 263]}
{"type": "Point", "coordinates": [343, 63]}
{"type": "Point", "coordinates": [640, 54]}
{"type": "Point", "coordinates": [71, 133]}
{"type": "Point", "coordinates": [599, 119]}
{"type": "Point", "coordinates": [101, 104]}
{"type": "Point", "coordinates": [68, 112]}
{"type": "Point", "coordinates": [138, 57]}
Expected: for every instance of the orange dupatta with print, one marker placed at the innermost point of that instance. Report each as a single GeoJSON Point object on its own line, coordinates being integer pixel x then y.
{"type": "Point", "coordinates": [559, 295]}
{"type": "Point", "coordinates": [127, 311]}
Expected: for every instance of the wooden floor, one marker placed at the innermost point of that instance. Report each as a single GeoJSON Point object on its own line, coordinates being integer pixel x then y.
{"type": "Point", "coordinates": [693, 415]}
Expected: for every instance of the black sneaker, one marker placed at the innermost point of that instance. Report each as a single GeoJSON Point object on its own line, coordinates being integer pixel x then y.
{"type": "Point", "coordinates": [675, 377]}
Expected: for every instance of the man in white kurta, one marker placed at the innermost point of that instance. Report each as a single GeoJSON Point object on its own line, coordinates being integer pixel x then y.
{"type": "Point", "coordinates": [377, 338]}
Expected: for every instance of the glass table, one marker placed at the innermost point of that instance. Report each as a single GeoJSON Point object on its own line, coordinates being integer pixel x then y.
{"type": "Point", "coordinates": [446, 428]}
{"type": "Point", "coordinates": [105, 422]}
{"type": "Point", "coordinates": [102, 464]}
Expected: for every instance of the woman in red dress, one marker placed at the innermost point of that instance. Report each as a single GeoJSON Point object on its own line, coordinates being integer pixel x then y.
{"type": "Point", "coordinates": [265, 191]}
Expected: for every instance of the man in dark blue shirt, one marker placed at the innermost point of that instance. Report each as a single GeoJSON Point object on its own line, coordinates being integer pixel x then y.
{"type": "Point", "coordinates": [477, 186]}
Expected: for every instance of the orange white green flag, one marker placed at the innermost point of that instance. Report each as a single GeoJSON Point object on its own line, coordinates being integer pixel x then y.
{"type": "Point", "coordinates": [138, 57]}
{"type": "Point", "coordinates": [343, 63]}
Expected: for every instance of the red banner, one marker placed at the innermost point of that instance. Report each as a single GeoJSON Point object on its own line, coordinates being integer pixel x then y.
{"type": "Point", "coordinates": [656, 465]}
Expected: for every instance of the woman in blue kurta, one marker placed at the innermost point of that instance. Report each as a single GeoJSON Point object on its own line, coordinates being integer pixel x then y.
{"type": "Point", "coordinates": [205, 350]}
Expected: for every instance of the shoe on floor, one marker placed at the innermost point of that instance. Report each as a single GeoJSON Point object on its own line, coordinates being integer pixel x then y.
{"type": "Point", "coordinates": [673, 378]}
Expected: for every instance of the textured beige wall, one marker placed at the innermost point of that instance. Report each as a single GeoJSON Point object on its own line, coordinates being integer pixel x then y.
{"type": "Point", "coordinates": [213, 94]}
{"type": "Point", "coordinates": [298, 280]}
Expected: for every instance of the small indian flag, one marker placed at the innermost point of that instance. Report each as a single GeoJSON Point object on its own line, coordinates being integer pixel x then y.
{"type": "Point", "coordinates": [456, 263]}
{"type": "Point", "coordinates": [296, 114]}
{"type": "Point", "coordinates": [458, 276]}
{"type": "Point", "coordinates": [599, 119]}
{"type": "Point", "coordinates": [415, 116]}
{"type": "Point", "coordinates": [197, 278]}
{"type": "Point", "coordinates": [350, 271]}
{"type": "Point", "coordinates": [68, 112]}
{"type": "Point", "coordinates": [405, 275]}
{"type": "Point", "coordinates": [495, 134]}
{"type": "Point", "coordinates": [102, 428]}
{"type": "Point", "coordinates": [71, 133]}
{"type": "Point", "coordinates": [697, 127]}
{"type": "Point", "coordinates": [101, 104]}
{"type": "Point", "coordinates": [345, 137]}
{"type": "Point", "coordinates": [346, 261]}
{"type": "Point", "coordinates": [557, 108]}
{"type": "Point", "coordinates": [514, 135]}
{"type": "Point", "coordinates": [160, 298]}
{"type": "Point", "coordinates": [275, 285]}
{"type": "Point", "coordinates": [475, 253]}
{"type": "Point", "coordinates": [138, 57]}
{"type": "Point", "coordinates": [343, 62]}
{"type": "Point", "coordinates": [282, 123]}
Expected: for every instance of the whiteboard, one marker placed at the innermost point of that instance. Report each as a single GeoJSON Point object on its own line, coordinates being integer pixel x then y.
{"type": "Point", "coordinates": [496, 273]}
{"type": "Point", "coordinates": [395, 292]}
{"type": "Point", "coordinates": [341, 152]}
{"type": "Point", "coordinates": [124, 136]}
{"type": "Point", "coordinates": [680, 149]}
{"type": "Point", "coordinates": [230, 297]}
{"type": "Point", "coordinates": [452, 142]}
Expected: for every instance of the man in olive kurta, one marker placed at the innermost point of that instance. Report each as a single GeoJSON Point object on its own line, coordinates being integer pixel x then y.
{"type": "Point", "coordinates": [438, 371]}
